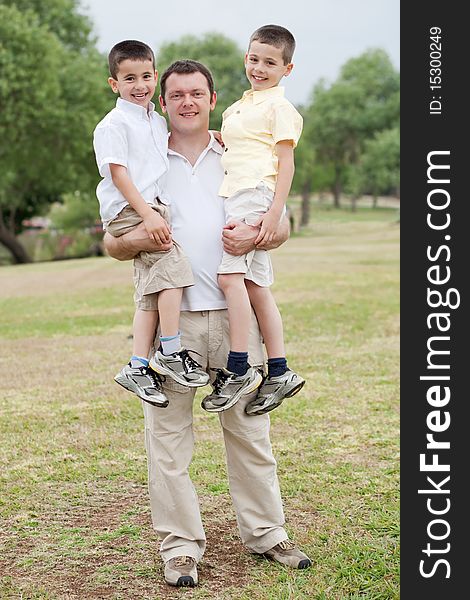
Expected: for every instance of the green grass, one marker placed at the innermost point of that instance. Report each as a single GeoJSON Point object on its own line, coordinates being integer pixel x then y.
{"type": "Point", "coordinates": [74, 510]}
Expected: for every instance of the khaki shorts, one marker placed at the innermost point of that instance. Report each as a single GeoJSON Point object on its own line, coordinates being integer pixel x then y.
{"type": "Point", "coordinates": [153, 271]}
{"type": "Point", "coordinates": [248, 206]}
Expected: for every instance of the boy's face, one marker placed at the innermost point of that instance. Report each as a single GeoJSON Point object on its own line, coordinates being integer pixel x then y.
{"type": "Point", "coordinates": [136, 81]}
{"type": "Point", "coordinates": [264, 66]}
{"type": "Point", "coordinates": [188, 102]}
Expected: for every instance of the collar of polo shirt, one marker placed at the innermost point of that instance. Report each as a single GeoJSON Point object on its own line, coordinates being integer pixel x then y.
{"type": "Point", "coordinates": [212, 145]}
{"type": "Point", "coordinates": [261, 95]}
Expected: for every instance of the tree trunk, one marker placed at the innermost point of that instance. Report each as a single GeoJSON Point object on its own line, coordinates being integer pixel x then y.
{"type": "Point", "coordinates": [9, 240]}
{"type": "Point", "coordinates": [353, 203]}
{"type": "Point", "coordinates": [337, 188]}
{"type": "Point", "coordinates": [305, 205]}
{"type": "Point", "coordinates": [374, 201]}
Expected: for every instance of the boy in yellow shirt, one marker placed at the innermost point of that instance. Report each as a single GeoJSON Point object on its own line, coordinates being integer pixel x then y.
{"type": "Point", "coordinates": [260, 132]}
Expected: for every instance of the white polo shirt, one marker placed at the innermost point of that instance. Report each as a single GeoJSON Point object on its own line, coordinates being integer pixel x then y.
{"type": "Point", "coordinates": [197, 218]}
{"type": "Point", "coordinates": [136, 139]}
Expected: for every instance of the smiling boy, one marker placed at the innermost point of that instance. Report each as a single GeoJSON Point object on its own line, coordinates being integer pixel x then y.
{"type": "Point", "coordinates": [260, 132]}
{"type": "Point", "coordinates": [131, 145]}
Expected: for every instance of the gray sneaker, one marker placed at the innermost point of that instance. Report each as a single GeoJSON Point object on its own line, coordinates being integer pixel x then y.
{"type": "Point", "coordinates": [144, 383]}
{"type": "Point", "coordinates": [181, 367]}
{"type": "Point", "coordinates": [287, 554]}
{"type": "Point", "coordinates": [273, 391]}
{"type": "Point", "coordinates": [229, 387]}
{"type": "Point", "coordinates": [181, 571]}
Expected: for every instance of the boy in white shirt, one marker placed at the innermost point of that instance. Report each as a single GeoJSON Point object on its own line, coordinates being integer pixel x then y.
{"type": "Point", "coordinates": [260, 132]}
{"type": "Point", "coordinates": [131, 144]}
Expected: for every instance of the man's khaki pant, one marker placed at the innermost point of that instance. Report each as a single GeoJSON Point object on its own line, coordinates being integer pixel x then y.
{"type": "Point", "coordinates": [251, 465]}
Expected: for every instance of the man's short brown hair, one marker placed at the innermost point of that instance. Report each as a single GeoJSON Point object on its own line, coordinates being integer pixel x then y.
{"type": "Point", "coordinates": [276, 36]}
{"type": "Point", "coordinates": [128, 50]}
{"type": "Point", "coordinates": [186, 67]}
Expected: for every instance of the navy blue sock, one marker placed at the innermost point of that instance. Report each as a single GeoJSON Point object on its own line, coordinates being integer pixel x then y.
{"type": "Point", "coordinates": [276, 366]}
{"type": "Point", "coordinates": [237, 362]}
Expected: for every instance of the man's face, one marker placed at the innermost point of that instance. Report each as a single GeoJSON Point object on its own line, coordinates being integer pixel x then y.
{"type": "Point", "coordinates": [264, 66]}
{"type": "Point", "coordinates": [188, 102]}
{"type": "Point", "coordinates": [136, 81]}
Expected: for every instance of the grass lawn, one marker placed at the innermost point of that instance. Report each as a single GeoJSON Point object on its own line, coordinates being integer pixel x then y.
{"type": "Point", "coordinates": [74, 511]}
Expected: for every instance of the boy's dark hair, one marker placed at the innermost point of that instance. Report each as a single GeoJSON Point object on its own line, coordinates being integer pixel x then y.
{"type": "Point", "coordinates": [276, 36]}
{"type": "Point", "coordinates": [128, 50]}
{"type": "Point", "coordinates": [186, 67]}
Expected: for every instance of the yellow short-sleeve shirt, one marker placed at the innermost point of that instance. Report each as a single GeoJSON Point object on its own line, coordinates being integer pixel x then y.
{"type": "Point", "coordinates": [251, 128]}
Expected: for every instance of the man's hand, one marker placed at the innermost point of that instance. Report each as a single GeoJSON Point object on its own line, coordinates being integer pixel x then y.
{"type": "Point", "coordinates": [130, 244]}
{"type": "Point", "coordinates": [239, 238]}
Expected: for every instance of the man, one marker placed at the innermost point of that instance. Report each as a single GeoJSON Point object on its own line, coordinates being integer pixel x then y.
{"type": "Point", "coordinates": [197, 222]}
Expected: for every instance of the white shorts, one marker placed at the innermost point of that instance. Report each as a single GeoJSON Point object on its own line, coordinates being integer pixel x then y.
{"type": "Point", "coordinates": [247, 206]}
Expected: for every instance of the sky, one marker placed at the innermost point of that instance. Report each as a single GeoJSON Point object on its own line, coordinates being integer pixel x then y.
{"type": "Point", "coordinates": [327, 32]}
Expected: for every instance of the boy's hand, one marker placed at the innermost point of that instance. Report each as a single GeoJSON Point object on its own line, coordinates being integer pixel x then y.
{"type": "Point", "coordinates": [157, 228]}
{"type": "Point", "coordinates": [268, 224]}
{"type": "Point", "coordinates": [130, 244]}
{"type": "Point", "coordinates": [218, 137]}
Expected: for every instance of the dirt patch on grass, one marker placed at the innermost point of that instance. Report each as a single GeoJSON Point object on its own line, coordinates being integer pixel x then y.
{"type": "Point", "coordinates": [105, 547]}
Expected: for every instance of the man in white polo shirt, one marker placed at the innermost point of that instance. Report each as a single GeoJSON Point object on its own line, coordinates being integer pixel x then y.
{"type": "Point", "coordinates": [197, 211]}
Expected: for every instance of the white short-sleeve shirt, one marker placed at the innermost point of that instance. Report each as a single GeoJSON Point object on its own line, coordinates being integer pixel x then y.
{"type": "Point", "coordinates": [138, 140]}
{"type": "Point", "coordinates": [198, 217]}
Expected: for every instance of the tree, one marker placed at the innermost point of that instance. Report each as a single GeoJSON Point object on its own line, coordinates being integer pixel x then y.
{"type": "Point", "coordinates": [61, 18]}
{"type": "Point", "coordinates": [223, 58]}
{"type": "Point", "coordinates": [363, 100]}
{"type": "Point", "coordinates": [304, 177]}
{"type": "Point", "coordinates": [310, 174]}
{"type": "Point", "coordinates": [378, 170]}
{"type": "Point", "coordinates": [53, 91]}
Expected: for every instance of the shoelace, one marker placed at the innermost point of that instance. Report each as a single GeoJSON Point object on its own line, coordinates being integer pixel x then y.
{"type": "Point", "coordinates": [286, 545]}
{"type": "Point", "coordinates": [181, 561]}
{"type": "Point", "coordinates": [220, 379]}
{"type": "Point", "coordinates": [156, 377]}
{"type": "Point", "coordinates": [188, 361]}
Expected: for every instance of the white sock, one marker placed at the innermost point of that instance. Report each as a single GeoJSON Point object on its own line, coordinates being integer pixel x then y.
{"type": "Point", "coordinates": [170, 344]}
{"type": "Point", "coordinates": [138, 361]}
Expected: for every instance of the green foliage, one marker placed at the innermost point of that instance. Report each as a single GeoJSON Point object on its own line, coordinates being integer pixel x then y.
{"type": "Point", "coordinates": [379, 167]}
{"type": "Point", "coordinates": [61, 18]}
{"type": "Point", "coordinates": [78, 211]}
{"type": "Point", "coordinates": [311, 174]}
{"type": "Point", "coordinates": [342, 117]}
{"type": "Point", "coordinates": [224, 59]}
{"type": "Point", "coordinates": [53, 91]}
{"type": "Point", "coordinates": [304, 160]}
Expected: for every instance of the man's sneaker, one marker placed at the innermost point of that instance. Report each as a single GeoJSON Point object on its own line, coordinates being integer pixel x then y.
{"type": "Point", "coordinates": [181, 571]}
{"type": "Point", "coordinates": [287, 554]}
{"type": "Point", "coordinates": [144, 383]}
{"type": "Point", "coordinates": [229, 387]}
{"type": "Point", "coordinates": [181, 367]}
{"type": "Point", "coordinates": [273, 391]}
